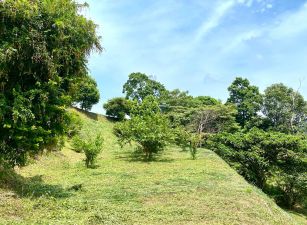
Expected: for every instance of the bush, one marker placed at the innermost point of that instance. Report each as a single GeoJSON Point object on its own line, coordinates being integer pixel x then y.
{"type": "Point", "coordinates": [187, 140]}
{"type": "Point", "coordinates": [74, 124]}
{"type": "Point", "coordinates": [90, 146]}
{"type": "Point", "coordinates": [292, 189]}
{"type": "Point", "coordinates": [267, 159]}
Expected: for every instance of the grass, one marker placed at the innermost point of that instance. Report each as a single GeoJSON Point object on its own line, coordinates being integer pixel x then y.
{"type": "Point", "coordinates": [58, 189]}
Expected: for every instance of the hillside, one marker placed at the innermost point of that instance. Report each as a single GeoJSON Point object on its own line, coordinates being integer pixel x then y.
{"type": "Point", "coordinates": [124, 190]}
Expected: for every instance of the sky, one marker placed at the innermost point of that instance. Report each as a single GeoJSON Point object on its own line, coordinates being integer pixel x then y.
{"type": "Point", "coordinates": [199, 46]}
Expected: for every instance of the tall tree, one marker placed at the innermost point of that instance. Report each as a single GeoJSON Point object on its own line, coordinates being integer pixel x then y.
{"type": "Point", "coordinates": [285, 108]}
{"type": "Point", "coordinates": [247, 99]}
{"type": "Point", "coordinates": [43, 46]}
{"type": "Point", "coordinates": [139, 85]}
{"type": "Point", "coordinates": [86, 92]}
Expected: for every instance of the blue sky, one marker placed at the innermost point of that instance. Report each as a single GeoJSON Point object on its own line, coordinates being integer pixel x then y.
{"type": "Point", "coordinates": [199, 45]}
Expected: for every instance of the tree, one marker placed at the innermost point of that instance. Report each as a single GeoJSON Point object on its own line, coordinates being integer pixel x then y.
{"type": "Point", "coordinates": [43, 47]}
{"type": "Point", "coordinates": [213, 119]}
{"type": "Point", "coordinates": [175, 98]}
{"type": "Point", "coordinates": [285, 108]}
{"type": "Point", "coordinates": [206, 101]}
{"type": "Point", "coordinates": [86, 92]}
{"type": "Point", "coordinates": [118, 107]}
{"type": "Point", "coordinates": [246, 98]}
{"type": "Point", "coordinates": [148, 127]}
{"type": "Point", "coordinates": [139, 86]}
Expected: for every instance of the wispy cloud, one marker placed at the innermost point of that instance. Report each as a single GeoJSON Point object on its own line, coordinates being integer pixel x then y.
{"type": "Point", "coordinates": [214, 20]}
{"type": "Point", "coordinates": [242, 38]}
{"type": "Point", "coordinates": [291, 24]}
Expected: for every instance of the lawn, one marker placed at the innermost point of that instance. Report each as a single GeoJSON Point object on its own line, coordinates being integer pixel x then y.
{"type": "Point", "coordinates": [122, 189]}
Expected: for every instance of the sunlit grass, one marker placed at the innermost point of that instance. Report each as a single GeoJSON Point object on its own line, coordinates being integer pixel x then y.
{"type": "Point", "coordinates": [173, 189]}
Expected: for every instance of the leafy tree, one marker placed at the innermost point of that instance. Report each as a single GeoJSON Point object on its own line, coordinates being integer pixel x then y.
{"type": "Point", "coordinates": [206, 101]}
{"type": "Point", "coordinates": [91, 146]}
{"type": "Point", "coordinates": [86, 92]}
{"type": "Point", "coordinates": [285, 109]}
{"type": "Point", "coordinates": [206, 119]}
{"type": "Point", "coordinates": [170, 100]}
{"type": "Point", "coordinates": [246, 98]}
{"type": "Point", "coordinates": [118, 107]}
{"type": "Point", "coordinates": [43, 47]}
{"type": "Point", "coordinates": [176, 98]}
{"type": "Point", "coordinates": [213, 119]}
{"type": "Point", "coordinates": [139, 86]}
{"type": "Point", "coordinates": [148, 127]}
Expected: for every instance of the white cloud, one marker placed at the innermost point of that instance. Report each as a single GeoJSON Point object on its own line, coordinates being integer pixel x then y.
{"type": "Point", "coordinates": [291, 24]}
{"type": "Point", "coordinates": [209, 24]}
{"type": "Point", "coordinates": [242, 38]}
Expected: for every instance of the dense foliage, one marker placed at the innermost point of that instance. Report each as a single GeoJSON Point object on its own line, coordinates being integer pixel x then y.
{"type": "Point", "coordinates": [118, 108]}
{"type": "Point", "coordinates": [85, 92]}
{"type": "Point", "coordinates": [284, 108]}
{"type": "Point", "coordinates": [267, 159]}
{"type": "Point", "coordinates": [90, 145]}
{"type": "Point", "coordinates": [247, 99]}
{"type": "Point", "coordinates": [43, 47]}
{"type": "Point", "coordinates": [139, 85]}
{"type": "Point", "coordinates": [148, 127]}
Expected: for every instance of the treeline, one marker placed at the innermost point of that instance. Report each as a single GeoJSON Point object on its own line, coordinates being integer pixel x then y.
{"type": "Point", "coordinates": [262, 136]}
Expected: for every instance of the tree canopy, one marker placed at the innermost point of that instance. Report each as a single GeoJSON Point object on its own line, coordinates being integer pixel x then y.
{"type": "Point", "coordinates": [148, 127]}
{"type": "Point", "coordinates": [285, 109]}
{"type": "Point", "coordinates": [86, 92]}
{"type": "Point", "coordinates": [247, 99]}
{"type": "Point", "coordinates": [118, 107]}
{"type": "Point", "coordinates": [139, 85]}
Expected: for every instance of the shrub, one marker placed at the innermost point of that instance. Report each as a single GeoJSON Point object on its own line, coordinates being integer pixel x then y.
{"type": "Point", "coordinates": [267, 159]}
{"type": "Point", "coordinates": [292, 189]}
{"type": "Point", "coordinates": [91, 146]}
{"type": "Point", "coordinates": [77, 144]}
{"type": "Point", "coordinates": [74, 124]}
{"type": "Point", "coordinates": [187, 140]}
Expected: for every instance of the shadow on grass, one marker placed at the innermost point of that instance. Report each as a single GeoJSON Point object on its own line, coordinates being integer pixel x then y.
{"type": "Point", "coordinates": [138, 156]}
{"type": "Point", "coordinates": [31, 187]}
{"type": "Point", "coordinates": [278, 196]}
{"type": "Point", "coordinates": [299, 211]}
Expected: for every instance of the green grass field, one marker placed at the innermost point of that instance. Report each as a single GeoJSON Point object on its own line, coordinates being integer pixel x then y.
{"type": "Point", "coordinates": [125, 190]}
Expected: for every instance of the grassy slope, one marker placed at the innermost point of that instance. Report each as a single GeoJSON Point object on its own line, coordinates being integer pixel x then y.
{"type": "Point", "coordinates": [172, 190]}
